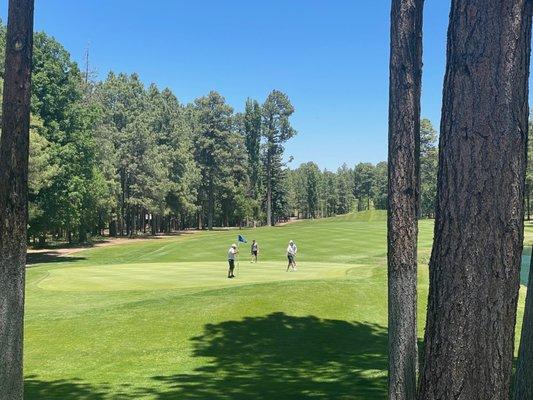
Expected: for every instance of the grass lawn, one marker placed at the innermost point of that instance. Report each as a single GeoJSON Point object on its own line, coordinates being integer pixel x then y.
{"type": "Point", "coordinates": [158, 319]}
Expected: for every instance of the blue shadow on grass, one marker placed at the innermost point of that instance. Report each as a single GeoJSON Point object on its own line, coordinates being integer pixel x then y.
{"type": "Point", "coordinates": [276, 356]}
{"type": "Point", "coordinates": [283, 357]}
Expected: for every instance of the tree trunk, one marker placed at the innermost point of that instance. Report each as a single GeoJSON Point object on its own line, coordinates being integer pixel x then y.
{"type": "Point", "coordinates": [82, 234]}
{"type": "Point", "coordinates": [475, 263]}
{"type": "Point", "coordinates": [210, 204]}
{"type": "Point", "coordinates": [200, 219]}
{"type": "Point", "coordinates": [14, 148]}
{"type": "Point", "coordinates": [404, 146]}
{"type": "Point", "coordinates": [133, 223]}
{"type": "Point", "coordinates": [113, 228]}
{"type": "Point", "coordinates": [523, 389]}
{"type": "Point", "coordinates": [122, 205]}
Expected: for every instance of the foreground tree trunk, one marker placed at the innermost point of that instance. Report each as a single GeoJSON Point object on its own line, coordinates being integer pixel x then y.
{"type": "Point", "coordinates": [474, 268]}
{"type": "Point", "coordinates": [523, 389]}
{"type": "Point", "coordinates": [404, 145]}
{"type": "Point", "coordinates": [14, 147]}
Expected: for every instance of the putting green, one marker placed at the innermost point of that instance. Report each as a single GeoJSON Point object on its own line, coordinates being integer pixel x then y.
{"type": "Point", "coordinates": [187, 275]}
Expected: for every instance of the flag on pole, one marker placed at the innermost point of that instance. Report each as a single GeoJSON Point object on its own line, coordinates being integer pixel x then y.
{"type": "Point", "coordinates": [241, 239]}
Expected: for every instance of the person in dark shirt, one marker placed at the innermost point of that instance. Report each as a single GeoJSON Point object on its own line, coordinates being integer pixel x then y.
{"type": "Point", "coordinates": [254, 250]}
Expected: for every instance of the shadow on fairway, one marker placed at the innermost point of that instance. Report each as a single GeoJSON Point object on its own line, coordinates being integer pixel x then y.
{"type": "Point", "coordinates": [283, 357]}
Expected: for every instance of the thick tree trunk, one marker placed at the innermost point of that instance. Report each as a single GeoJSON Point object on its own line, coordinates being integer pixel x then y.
{"type": "Point", "coordinates": [404, 145]}
{"type": "Point", "coordinates": [523, 389]}
{"type": "Point", "coordinates": [14, 148]}
{"type": "Point", "coordinates": [474, 267]}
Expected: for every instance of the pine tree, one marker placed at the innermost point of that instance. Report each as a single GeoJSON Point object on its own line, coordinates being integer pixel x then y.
{"type": "Point", "coordinates": [428, 168]}
{"type": "Point", "coordinates": [14, 149]}
{"type": "Point", "coordinates": [403, 194]}
{"type": "Point", "coordinates": [252, 131]}
{"type": "Point", "coordinates": [276, 130]}
{"type": "Point", "coordinates": [475, 261]}
{"type": "Point", "coordinates": [212, 150]}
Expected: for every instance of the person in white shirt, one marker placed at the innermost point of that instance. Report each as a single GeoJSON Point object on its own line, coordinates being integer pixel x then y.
{"type": "Point", "coordinates": [291, 256]}
{"type": "Point", "coordinates": [231, 259]}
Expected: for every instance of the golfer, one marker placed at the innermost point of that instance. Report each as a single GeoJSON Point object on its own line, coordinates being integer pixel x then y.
{"type": "Point", "coordinates": [231, 259]}
{"type": "Point", "coordinates": [255, 250]}
{"type": "Point", "coordinates": [291, 256]}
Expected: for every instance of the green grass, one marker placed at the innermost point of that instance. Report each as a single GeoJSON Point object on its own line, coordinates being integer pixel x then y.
{"type": "Point", "coordinates": [158, 319]}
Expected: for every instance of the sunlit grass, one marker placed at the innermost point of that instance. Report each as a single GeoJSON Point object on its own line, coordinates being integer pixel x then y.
{"type": "Point", "coordinates": [159, 319]}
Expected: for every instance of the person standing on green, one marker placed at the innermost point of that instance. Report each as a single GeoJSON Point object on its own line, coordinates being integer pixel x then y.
{"type": "Point", "coordinates": [231, 259]}
{"type": "Point", "coordinates": [255, 250]}
{"type": "Point", "coordinates": [291, 256]}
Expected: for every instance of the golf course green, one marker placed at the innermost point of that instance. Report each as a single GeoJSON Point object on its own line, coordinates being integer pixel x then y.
{"type": "Point", "coordinates": [158, 319]}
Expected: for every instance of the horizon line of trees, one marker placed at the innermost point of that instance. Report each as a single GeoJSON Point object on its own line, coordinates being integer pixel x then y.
{"type": "Point", "coordinates": [122, 158]}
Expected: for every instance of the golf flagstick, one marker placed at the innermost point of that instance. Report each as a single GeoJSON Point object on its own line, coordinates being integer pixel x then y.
{"type": "Point", "coordinates": [238, 258]}
{"type": "Point", "coordinates": [240, 239]}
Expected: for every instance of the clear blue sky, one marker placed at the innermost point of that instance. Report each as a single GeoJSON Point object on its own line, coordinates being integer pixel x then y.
{"type": "Point", "coordinates": [329, 56]}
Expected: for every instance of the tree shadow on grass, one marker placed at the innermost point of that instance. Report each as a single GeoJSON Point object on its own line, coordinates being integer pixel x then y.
{"type": "Point", "coordinates": [283, 357]}
{"type": "Point", "coordinates": [49, 257]}
{"type": "Point", "coordinates": [74, 389]}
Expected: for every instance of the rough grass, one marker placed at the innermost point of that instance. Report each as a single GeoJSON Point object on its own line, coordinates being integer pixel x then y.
{"type": "Point", "coordinates": [159, 320]}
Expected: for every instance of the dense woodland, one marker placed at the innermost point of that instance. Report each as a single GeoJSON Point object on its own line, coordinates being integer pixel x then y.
{"type": "Point", "coordinates": [117, 157]}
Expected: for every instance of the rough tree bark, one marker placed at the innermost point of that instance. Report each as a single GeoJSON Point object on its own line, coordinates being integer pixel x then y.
{"type": "Point", "coordinates": [474, 267]}
{"type": "Point", "coordinates": [523, 389]}
{"type": "Point", "coordinates": [14, 145]}
{"type": "Point", "coordinates": [404, 149]}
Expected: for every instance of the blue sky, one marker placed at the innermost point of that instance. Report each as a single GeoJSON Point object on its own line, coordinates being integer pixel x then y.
{"type": "Point", "coordinates": [329, 56]}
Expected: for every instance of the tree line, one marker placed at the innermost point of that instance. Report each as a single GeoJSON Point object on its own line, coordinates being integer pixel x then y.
{"type": "Point", "coordinates": [120, 157]}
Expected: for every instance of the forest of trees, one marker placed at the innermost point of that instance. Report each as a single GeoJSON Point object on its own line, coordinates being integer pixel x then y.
{"type": "Point", "coordinates": [117, 157]}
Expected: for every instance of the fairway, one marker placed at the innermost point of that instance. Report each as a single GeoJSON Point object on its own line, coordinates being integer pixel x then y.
{"type": "Point", "coordinates": [158, 319]}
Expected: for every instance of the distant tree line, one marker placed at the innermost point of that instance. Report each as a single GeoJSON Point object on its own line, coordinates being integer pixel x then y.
{"type": "Point", "coordinates": [117, 157]}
